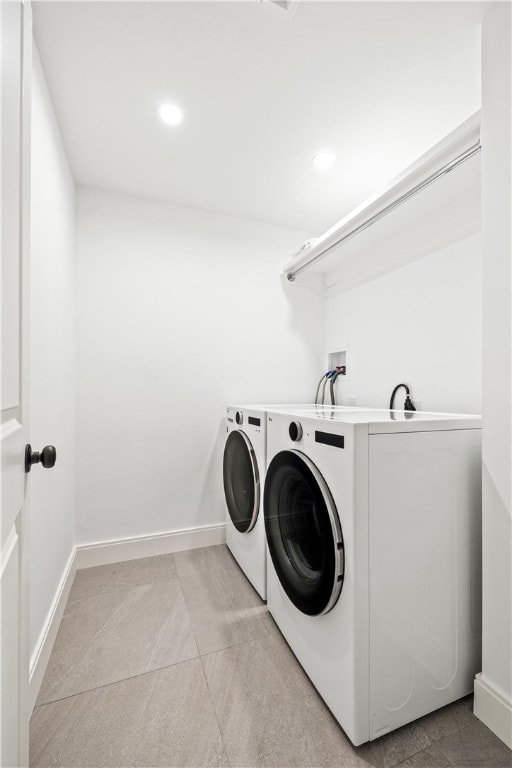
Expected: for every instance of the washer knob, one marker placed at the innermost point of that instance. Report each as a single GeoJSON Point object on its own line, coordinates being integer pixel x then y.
{"type": "Point", "coordinates": [295, 431]}
{"type": "Point", "coordinates": [239, 418]}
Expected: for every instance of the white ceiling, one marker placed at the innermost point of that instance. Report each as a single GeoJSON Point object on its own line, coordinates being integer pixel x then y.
{"type": "Point", "coordinates": [376, 82]}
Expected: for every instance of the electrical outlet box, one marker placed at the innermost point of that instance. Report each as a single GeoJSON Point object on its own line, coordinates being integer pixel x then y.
{"type": "Point", "coordinates": [338, 360]}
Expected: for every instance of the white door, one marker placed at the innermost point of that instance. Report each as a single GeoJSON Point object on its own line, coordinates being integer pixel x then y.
{"type": "Point", "coordinates": [15, 36]}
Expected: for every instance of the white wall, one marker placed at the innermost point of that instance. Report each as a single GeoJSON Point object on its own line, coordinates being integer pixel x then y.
{"type": "Point", "coordinates": [494, 689]}
{"type": "Point", "coordinates": [421, 325]}
{"type": "Point", "coordinates": [53, 353]}
{"type": "Point", "coordinates": [180, 312]}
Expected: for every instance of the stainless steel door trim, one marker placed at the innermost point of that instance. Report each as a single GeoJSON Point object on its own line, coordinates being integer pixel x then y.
{"type": "Point", "coordinates": [339, 554]}
{"type": "Point", "coordinates": [256, 480]}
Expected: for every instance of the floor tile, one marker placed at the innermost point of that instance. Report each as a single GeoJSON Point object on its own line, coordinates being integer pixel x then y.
{"type": "Point", "coordinates": [253, 669]}
{"type": "Point", "coordinates": [397, 746]}
{"type": "Point", "coordinates": [124, 686]}
{"type": "Point", "coordinates": [417, 741]}
{"type": "Point", "coordinates": [427, 758]}
{"type": "Point", "coordinates": [268, 711]}
{"type": "Point", "coordinates": [277, 731]}
{"type": "Point", "coordinates": [224, 609]}
{"type": "Point", "coordinates": [205, 559]}
{"type": "Point", "coordinates": [475, 746]}
{"type": "Point", "coordinates": [261, 680]}
{"type": "Point", "coordinates": [163, 718]}
{"type": "Point", "coordinates": [108, 637]}
{"type": "Point", "coordinates": [463, 711]}
{"type": "Point", "coordinates": [440, 723]}
{"type": "Point", "coordinates": [131, 573]}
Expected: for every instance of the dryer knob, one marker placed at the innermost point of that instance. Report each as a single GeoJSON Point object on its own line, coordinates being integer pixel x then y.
{"type": "Point", "coordinates": [295, 431]}
{"type": "Point", "coordinates": [239, 418]}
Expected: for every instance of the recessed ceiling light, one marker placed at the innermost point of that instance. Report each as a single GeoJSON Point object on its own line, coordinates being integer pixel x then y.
{"type": "Point", "coordinates": [323, 160]}
{"type": "Point", "coordinates": [170, 114]}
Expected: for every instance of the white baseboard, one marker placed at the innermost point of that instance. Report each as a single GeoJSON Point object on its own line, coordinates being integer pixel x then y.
{"type": "Point", "coordinates": [43, 649]}
{"type": "Point", "coordinates": [106, 552]}
{"type": "Point", "coordinates": [493, 709]}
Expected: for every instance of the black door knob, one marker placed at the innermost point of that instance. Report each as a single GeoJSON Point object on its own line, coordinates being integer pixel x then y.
{"type": "Point", "coordinates": [47, 457]}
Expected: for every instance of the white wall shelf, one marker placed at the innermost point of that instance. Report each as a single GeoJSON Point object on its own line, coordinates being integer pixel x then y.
{"type": "Point", "coordinates": [428, 206]}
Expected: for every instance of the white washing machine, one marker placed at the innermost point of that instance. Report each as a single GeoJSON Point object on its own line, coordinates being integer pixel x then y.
{"type": "Point", "coordinates": [244, 467]}
{"type": "Point", "coordinates": [243, 473]}
{"type": "Point", "coordinates": [373, 526]}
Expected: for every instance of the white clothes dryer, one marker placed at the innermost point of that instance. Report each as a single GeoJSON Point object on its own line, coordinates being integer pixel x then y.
{"type": "Point", "coordinates": [373, 529]}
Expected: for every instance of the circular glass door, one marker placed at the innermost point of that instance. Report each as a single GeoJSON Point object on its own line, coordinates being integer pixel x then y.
{"type": "Point", "coordinates": [241, 481]}
{"type": "Point", "coordinates": [303, 533]}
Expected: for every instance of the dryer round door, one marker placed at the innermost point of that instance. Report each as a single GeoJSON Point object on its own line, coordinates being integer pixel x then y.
{"type": "Point", "coordinates": [241, 481]}
{"type": "Point", "coordinates": [304, 534]}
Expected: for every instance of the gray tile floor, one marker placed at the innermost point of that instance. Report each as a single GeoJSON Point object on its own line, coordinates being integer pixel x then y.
{"type": "Point", "coordinates": [175, 661]}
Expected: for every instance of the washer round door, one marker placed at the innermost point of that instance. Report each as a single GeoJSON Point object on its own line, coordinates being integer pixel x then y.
{"type": "Point", "coordinates": [241, 481]}
{"type": "Point", "coordinates": [304, 534]}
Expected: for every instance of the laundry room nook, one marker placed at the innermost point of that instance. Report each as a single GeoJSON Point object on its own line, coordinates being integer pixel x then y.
{"type": "Point", "coordinates": [256, 384]}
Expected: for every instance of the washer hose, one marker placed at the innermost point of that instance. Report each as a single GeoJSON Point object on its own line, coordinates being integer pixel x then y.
{"type": "Point", "coordinates": [332, 382]}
